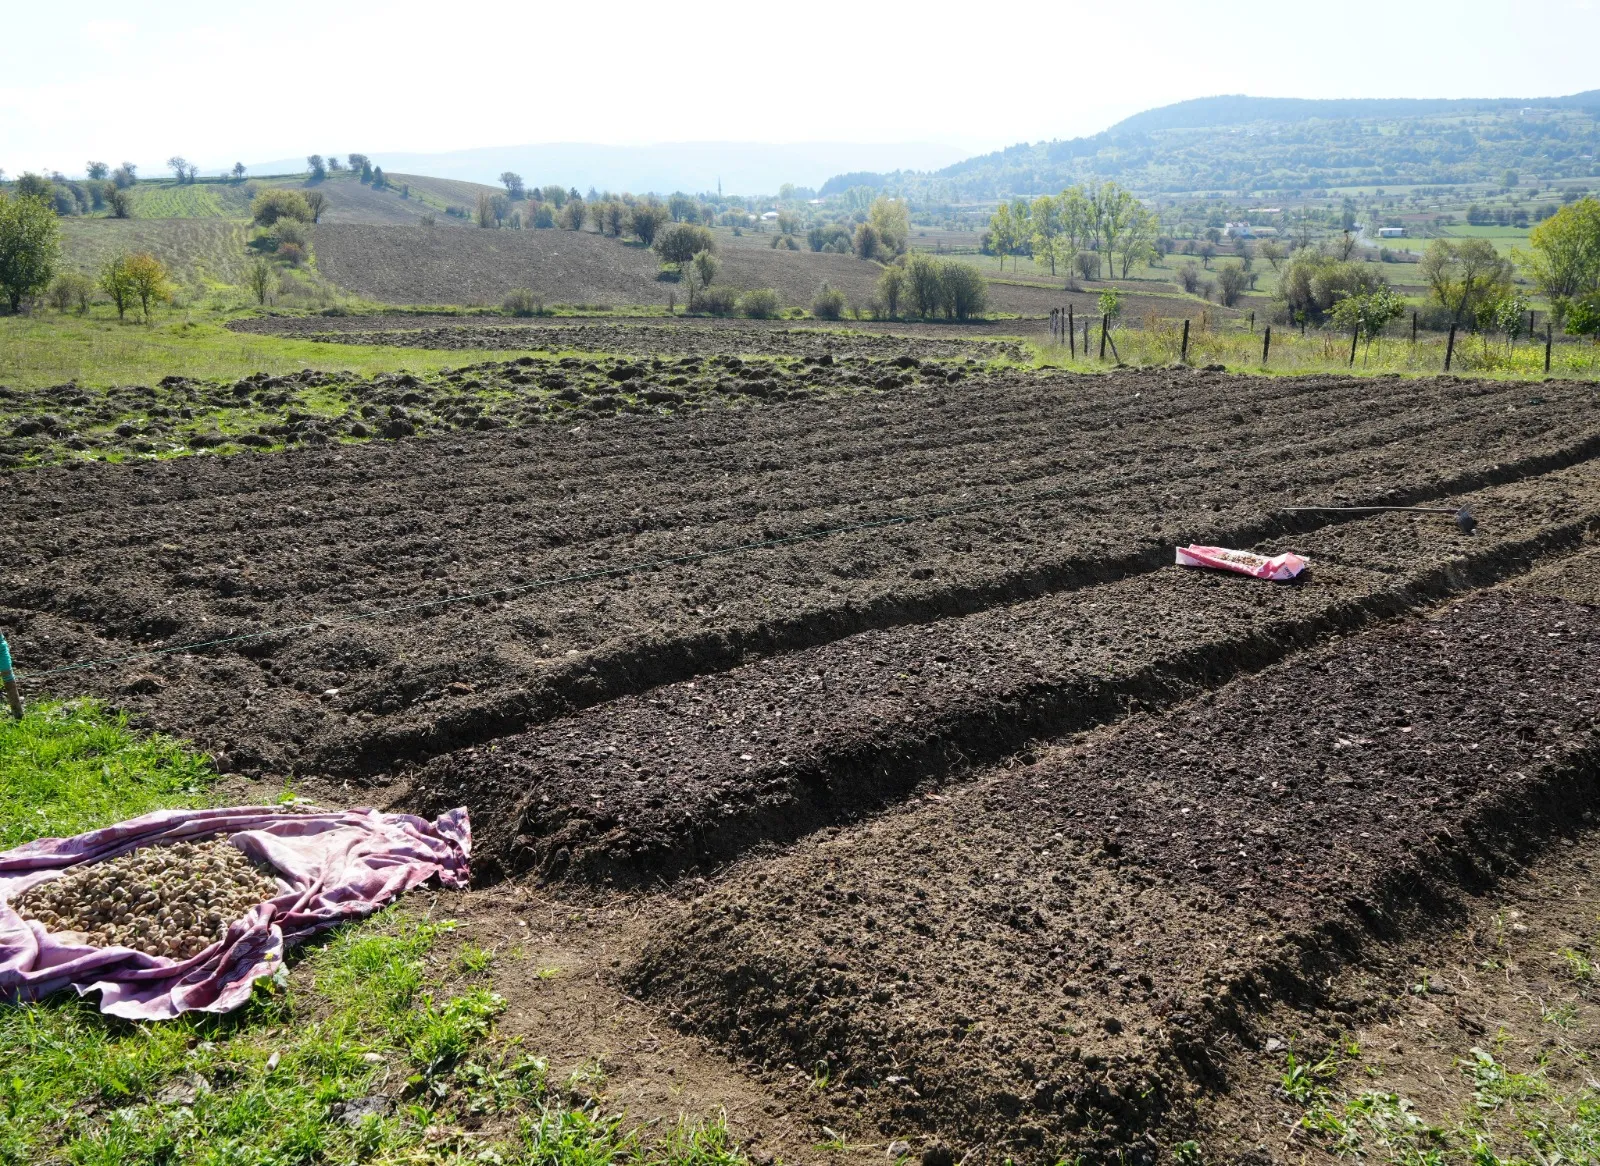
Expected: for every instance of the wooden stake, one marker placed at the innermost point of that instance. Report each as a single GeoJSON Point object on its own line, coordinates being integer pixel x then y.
{"type": "Point", "coordinates": [1449, 347]}
{"type": "Point", "coordinates": [1072, 333]}
{"type": "Point", "coordinates": [1086, 338]}
{"type": "Point", "coordinates": [1252, 321]}
{"type": "Point", "coordinates": [1549, 338]}
{"type": "Point", "coordinates": [1266, 346]}
{"type": "Point", "coordinates": [1413, 327]}
{"type": "Point", "coordinates": [1105, 328]}
{"type": "Point", "coordinates": [1354, 336]}
{"type": "Point", "coordinates": [1183, 354]}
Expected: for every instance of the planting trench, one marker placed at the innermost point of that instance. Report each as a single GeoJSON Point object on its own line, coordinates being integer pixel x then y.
{"type": "Point", "coordinates": [1074, 480]}
{"type": "Point", "coordinates": [691, 774]}
{"type": "Point", "coordinates": [1056, 957]}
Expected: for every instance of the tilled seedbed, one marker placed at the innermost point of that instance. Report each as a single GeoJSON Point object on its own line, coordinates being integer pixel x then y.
{"type": "Point", "coordinates": [647, 338]}
{"type": "Point", "coordinates": [693, 773]}
{"type": "Point", "coordinates": [1051, 959]}
{"type": "Point", "coordinates": [1076, 480]}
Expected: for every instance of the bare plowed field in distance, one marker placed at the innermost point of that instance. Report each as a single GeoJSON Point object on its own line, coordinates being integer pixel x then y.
{"type": "Point", "coordinates": [419, 265]}
{"type": "Point", "coordinates": [829, 707]}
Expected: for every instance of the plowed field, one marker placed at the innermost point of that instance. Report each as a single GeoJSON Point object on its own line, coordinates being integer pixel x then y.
{"type": "Point", "coordinates": [865, 732]}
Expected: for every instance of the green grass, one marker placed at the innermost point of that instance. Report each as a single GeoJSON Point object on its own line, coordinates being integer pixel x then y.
{"type": "Point", "coordinates": [100, 351]}
{"type": "Point", "coordinates": [197, 200]}
{"type": "Point", "coordinates": [66, 768]}
{"type": "Point", "coordinates": [382, 1013]}
{"type": "Point", "coordinates": [1160, 342]}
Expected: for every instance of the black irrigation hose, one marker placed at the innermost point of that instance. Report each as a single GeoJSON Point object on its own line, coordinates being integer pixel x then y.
{"type": "Point", "coordinates": [554, 581]}
{"type": "Point", "coordinates": [1463, 516]}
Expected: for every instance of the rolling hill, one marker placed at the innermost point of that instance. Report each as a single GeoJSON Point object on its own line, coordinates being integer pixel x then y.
{"type": "Point", "coordinates": [1252, 144]}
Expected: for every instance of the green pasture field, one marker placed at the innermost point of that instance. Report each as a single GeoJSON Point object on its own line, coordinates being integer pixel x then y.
{"type": "Point", "coordinates": [1505, 239]}
{"type": "Point", "coordinates": [199, 252]}
{"type": "Point", "coordinates": [398, 1011]}
{"type": "Point", "coordinates": [190, 200]}
{"type": "Point", "coordinates": [99, 351]}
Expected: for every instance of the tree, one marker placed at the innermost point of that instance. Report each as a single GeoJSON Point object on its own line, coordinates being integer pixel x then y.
{"type": "Point", "coordinates": [924, 289]}
{"type": "Point", "coordinates": [116, 283]}
{"type": "Point", "coordinates": [1045, 216]}
{"type": "Point", "coordinates": [829, 304]}
{"type": "Point", "coordinates": [572, 215]}
{"type": "Point", "coordinates": [1460, 273]}
{"type": "Point", "coordinates": [1565, 262]}
{"type": "Point", "coordinates": [1583, 317]}
{"type": "Point", "coordinates": [1003, 233]}
{"type": "Point", "coordinates": [866, 243]}
{"type": "Point", "coordinates": [891, 286]}
{"type": "Point", "coordinates": [1138, 236]}
{"type": "Point", "coordinates": [238, 171]}
{"type": "Point", "coordinates": [645, 220]}
{"type": "Point", "coordinates": [277, 203]}
{"type": "Point", "coordinates": [1272, 251]}
{"type": "Point", "coordinates": [334, 165]}
{"type": "Point", "coordinates": [486, 213]}
{"type": "Point", "coordinates": [1113, 208]}
{"type": "Point", "coordinates": [125, 175]}
{"type": "Point", "coordinates": [31, 185]}
{"type": "Point", "coordinates": [316, 203]}
{"type": "Point", "coordinates": [701, 271]}
{"type": "Point", "coordinates": [258, 277]}
{"type": "Point", "coordinates": [1368, 313]}
{"type": "Point", "coordinates": [147, 276]}
{"type": "Point", "coordinates": [30, 244]}
{"type": "Point", "coordinates": [118, 201]}
{"type": "Point", "coordinates": [318, 168]}
{"type": "Point", "coordinates": [761, 304]}
{"type": "Point", "coordinates": [555, 195]}
{"type": "Point", "coordinates": [963, 290]}
{"type": "Point", "coordinates": [379, 181]}
{"type": "Point", "coordinates": [97, 171]}
{"type": "Point", "coordinates": [513, 184]}
{"type": "Point", "coordinates": [179, 165]}
{"type": "Point", "coordinates": [890, 218]}
{"type": "Point", "coordinates": [681, 242]}
{"type": "Point", "coordinates": [1231, 282]}
{"type": "Point", "coordinates": [682, 208]}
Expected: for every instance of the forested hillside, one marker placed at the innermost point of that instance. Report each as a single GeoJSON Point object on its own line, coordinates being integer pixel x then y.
{"type": "Point", "coordinates": [1266, 145]}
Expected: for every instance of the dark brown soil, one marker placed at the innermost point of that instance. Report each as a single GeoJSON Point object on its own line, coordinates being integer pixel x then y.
{"type": "Point", "coordinates": [1054, 958]}
{"type": "Point", "coordinates": [694, 773]}
{"type": "Point", "coordinates": [1075, 480]}
{"type": "Point", "coordinates": [699, 337]}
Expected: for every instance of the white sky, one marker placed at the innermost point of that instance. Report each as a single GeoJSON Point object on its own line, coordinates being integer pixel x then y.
{"type": "Point", "coordinates": [219, 81]}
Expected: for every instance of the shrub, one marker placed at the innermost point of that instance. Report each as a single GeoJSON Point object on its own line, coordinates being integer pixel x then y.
{"type": "Point", "coordinates": [647, 219]}
{"type": "Point", "coordinates": [785, 242]}
{"type": "Point", "coordinates": [71, 289]}
{"type": "Point", "coordinates": [867, 243]}
{"type": "Point", "coordinates": [829, 304]}
{"type": "Point", "coordinates": [572, 215]}
{"type": "Point", "coordinates": [891, 287]}
{"type": "Point", "coordinates": [965, 293]}
{"type": "Point", "coordinates": [761, 304]}
{"type": "Point", "coordinates": [1087, 264]}
{"type": "Point", "coordinates": [292, 232]}
{"type": "Point", "coordinates": [827, 238]}
{"type": "Point", "coordinates": [544, 215]}
{"type": "Point", "coordinates": [718, 301]}
{"type": "Point", "coordinates": [30, 241]}
{"type": "Point", "coordinates": [1231, 283]}
{"type": "Point", "coordinates": [681, 242]}
{"type": "Point", "coordinates": [292, 253]}
{"type": "Point", "coordinates": [275, 204]}
{"type": "Point", "coordinates": [118, 202]}
{"type": "Point", "coordinates": [1189, 278]}
{"type": "Point", "coordinates": [521, 302]}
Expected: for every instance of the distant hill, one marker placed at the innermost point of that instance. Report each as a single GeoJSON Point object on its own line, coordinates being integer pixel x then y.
{"type": "Point", "coordinates": [745, 168]}
{"type": "Point", "coordinates": [1264, 144]}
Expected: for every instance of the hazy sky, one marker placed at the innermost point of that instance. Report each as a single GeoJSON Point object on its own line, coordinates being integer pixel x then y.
{"type": "Point", "coordinates": [220, 81]}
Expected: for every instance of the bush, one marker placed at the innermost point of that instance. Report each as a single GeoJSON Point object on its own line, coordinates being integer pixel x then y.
{"type": "Point", "coordinates": [30, 242]}
{"type": "Point", "coordinates": [646, 220]}
{"type": "Point", "coordinates": [272, 205]}
{"type": "Point", "coordinates": [1231, 283]}
{"type": "Point", "coordinates": [785, 242]}
{"type": "Point", "coordinates": [522, 302]}
{"type": "Point", "coordinates": [681, 242]}
{"type": "Point", "coordinates": [1189, 278]}
{"type": "Point", "coordinates": [1312, 281]}
{"type": "Point", "coordinates": [965, 293]}
{"type": "Point", "coordinates": [71, 289]}
{"type": "Point", "coordinates": [718, 301]}
{"type": "Point", "coordinates": [292, 253]}
{"type": "Point", "coordinates": [291, 232]}
{"type": "Point", "coordinates": [829, 304]}
{"type": "Point", "coordinates": [761, 304]}
{"type": "Point", "coordinates": [867, 243]}
{"type": "Point", "coordinates": [827, 238]}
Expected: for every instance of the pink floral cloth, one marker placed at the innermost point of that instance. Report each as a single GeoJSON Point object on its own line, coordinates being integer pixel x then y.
{"type": "Point", "coordinates": [332, 865]}
{"type": "Point", "coordinates": [1276, 568]}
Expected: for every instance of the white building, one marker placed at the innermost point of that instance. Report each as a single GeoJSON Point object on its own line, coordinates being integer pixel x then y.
{"type": "Point", "coordinates": [1391, 232]}
{"type": "Point", "coordinates": [1238, 230]}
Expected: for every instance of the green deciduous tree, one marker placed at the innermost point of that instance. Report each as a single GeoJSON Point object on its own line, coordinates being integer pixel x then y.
{"type": "Point", "coordinates": [892, 220]}
{"type": "Point", "coordinates": [891, 288]}
{"type": "Point", "coordinates": [680, 243]}
{"type": "Point", "coordinates": [116, 282]}
{"type": "Point", "coordinates": [147, 278]}
{"type": "Point", "coordinates": [1565, 262]}
{"type": "Point", "coordinates": [1044, 215]}
{"type": "Point", "coordinates": [316, 203]}
{"type": "Point", "coordinates": [317, 167]}
{"type": "Point", "coordinates": [1461, 273]}
{"type": "Point", "coordinates": [258, 278]}
{"type": "Point", "coordinates": [271, 205]}
{"type": "Point", "coordinates": [30, 244]}
{"type": "Point", "coordinates": [645, 220]}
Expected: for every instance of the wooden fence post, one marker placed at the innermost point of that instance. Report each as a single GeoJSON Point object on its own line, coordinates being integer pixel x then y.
{"type": "Point", "coordinates": [1549, 338]}
{"type": "Point", "coordinates": [1354, 336]}
{"type": "Point", "coordinates": [1183, 354]}
{"type": "Point", "coordinates": [1072, 333]}
{"type": "Point", "coordinates": [1413, 327]}
{"type": "Point", "coordinates": [1252, 321]}
{"type": "Point", "coordinates": [1449, 347]}
{"type": "Point", "coordinates": [1105, 327]}
{"type": "Point", "coordinates": [1086, 338]}
{"type": "Point", "coordinates": [1266, 345]}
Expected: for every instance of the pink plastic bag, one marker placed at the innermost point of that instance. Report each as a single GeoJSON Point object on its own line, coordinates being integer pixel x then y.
{"type": "Point", "coordinates": [1277, 568]}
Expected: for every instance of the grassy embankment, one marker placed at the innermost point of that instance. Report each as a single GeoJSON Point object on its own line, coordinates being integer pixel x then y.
{"type": "Point", "coordinates": [378, 1044]}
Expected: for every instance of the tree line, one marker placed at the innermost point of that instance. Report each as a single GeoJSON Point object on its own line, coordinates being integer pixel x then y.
{"type": "Point", "coordinates": [1079, 230]}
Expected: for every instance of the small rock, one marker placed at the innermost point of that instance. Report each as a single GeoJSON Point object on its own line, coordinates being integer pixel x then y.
{"type": "Point", "coordinates": [1273, 1044]}
{"type": "Point", "coordinates": [899, 1149]}
{"type": "Point", "coordinates": [375, 1106]}
{"type": "Point", "coordinates": [938, 1154]}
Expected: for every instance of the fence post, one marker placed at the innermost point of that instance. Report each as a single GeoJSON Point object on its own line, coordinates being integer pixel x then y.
{"type": "Point", "coordinates": [1252, 321]}
{"type": "Point", "coordinates": [1086, 338]}
{"type": "Point", "coordinates": [1105, 327]}
{"type": "Point", "coordinates": [1183, 354]}
{"type": "Point", "coordinates": [1072, 333]}
{"type": "Point", "coordinates": [1266, 345]}
{"type": "Point", "coordinates": [1413, 327]}
{"type": "Point", "coordinates": [1449, 347]}
{"type": "Point", "coordinates": [1549, 337]}
{"type": "Point", "coordinates": [1354, 336]}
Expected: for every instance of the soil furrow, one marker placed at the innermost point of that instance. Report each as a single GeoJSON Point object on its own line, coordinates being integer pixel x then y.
{"type": "Point", "coordinates": [1052, 960]}
{"type": "Point", "coordinates": [694, 773]}
{"type": "Point", "coordinates": [172, 554]}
